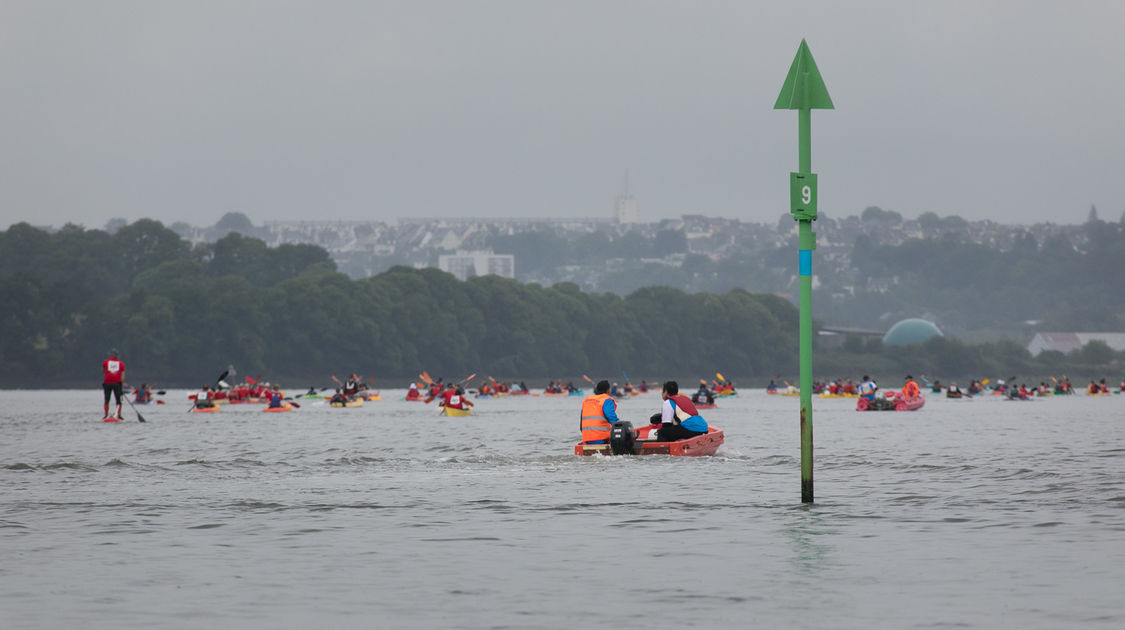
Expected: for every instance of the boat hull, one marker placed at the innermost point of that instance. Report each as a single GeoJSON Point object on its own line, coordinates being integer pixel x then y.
{"type": "Point", "coordinates": [449, 411]}
{"type": "Point", "coordinates": [285, 407]}
{"type": "Point", "coordinates": [697, 446]}
{"type": "Point", "coordinates": [351, 404]}
{"type": "Point", "coordinates": [899, 403]}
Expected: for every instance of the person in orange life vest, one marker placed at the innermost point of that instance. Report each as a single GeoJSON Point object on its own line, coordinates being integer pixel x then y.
{"type": "Point", "coordinates": [339, 397]}
{"type": "Point", "coordinates": [454, 398]}
{"type": "Point", "coordinates": [276, 397]}
{"type": "Point", "coordinates": [113, 375]}
{"type": "Point", "coordinates": [910, 390]}
{"type": "Point", "coordinates": [598, 414]}
{"type": "Point", "coordinates": [413, 393]}
{"type": "Point", "coordinates": [678, 417]}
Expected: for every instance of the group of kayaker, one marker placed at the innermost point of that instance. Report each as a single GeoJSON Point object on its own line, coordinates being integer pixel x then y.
{"type": "Point", "coordinates": [207, 396]}
{"type": "Point", "coordinates": [1100, 387]}
{"type": "Point", "coordinates": [498, 388]}
{"type": "Point", "coordinates": [678, 418]}
{"type": "Point", "coordinates": [559, 387]}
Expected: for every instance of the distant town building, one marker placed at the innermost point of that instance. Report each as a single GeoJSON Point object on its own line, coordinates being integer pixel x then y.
{"type": "Point", "coordinates": [463, 264]}
{"type": "Point", "coordinates": [911, 331]}
{"type": "Point", "coordinates": [625, 206]}
{"type": "Point", "coordinates": [1068, 342]}
{"type": "Point", "coordinates": [625, 210]}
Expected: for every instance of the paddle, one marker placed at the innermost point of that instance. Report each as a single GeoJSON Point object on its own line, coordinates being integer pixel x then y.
{"type": "Point", "coordinates": [588, 379]}
{"type": "Point", "coordinates": [139, 416]}
{"type": "Point", "coordinates": [217, 381]}
{"type": "Point", "coordinates": [719, 375]}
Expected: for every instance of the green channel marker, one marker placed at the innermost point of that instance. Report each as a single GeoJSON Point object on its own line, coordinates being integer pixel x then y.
{"type": "Point", "coordinates": [804, 91]}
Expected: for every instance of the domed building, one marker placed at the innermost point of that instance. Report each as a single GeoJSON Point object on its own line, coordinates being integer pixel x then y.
{"type": "Point", "coordinates": [911, 331]}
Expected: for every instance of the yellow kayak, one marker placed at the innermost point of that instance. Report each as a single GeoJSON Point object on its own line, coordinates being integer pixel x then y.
{"type": "Point", "coordinates": [355, 402]}
{"type": "Point", "coordinates": [449, 411]}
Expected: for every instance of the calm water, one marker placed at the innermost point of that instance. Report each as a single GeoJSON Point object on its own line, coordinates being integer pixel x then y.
{"type": "Point", "coordinates": [977, 514]}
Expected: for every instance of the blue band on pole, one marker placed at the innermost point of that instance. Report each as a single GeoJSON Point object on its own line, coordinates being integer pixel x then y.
{"type": "Point", "coordinates": [804, 262]}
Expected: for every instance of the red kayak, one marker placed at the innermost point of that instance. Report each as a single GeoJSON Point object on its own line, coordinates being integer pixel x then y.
{"type": "Point", "coordinates": [697, 446]}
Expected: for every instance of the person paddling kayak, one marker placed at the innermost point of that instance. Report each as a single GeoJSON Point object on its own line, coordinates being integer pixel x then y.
{"type": "Point", "coordinates": [113, 377]}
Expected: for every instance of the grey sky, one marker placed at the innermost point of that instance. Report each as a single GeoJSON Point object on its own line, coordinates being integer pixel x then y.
{"type": "Point", "coordinates": [376, 110]}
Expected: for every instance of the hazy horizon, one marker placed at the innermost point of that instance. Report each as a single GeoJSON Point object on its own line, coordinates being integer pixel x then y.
{"type": "Point", "coordinates": [357, 110]}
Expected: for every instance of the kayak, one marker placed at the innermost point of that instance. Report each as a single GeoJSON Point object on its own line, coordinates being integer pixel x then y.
{"type": "Point", "coordinates": [697, 446]}
{"type": "Point", "coordinates": [357, 402]}
{"type": "Point", "coordinates": [895, 403]}
{"type": "Point", "coordinates": [704, 406]}
{"type": "Point", "coordinates": [285, 407]}
{"type": "Point", "coordinates": [576, 392]}
{"type": "Point", "coordinates": [214, 409]}
{"type": "Point", "coordinates": [311, 397]}
{"type": "Point", "coordinates": [112, 419]}
{"type": "Point", "coordinates": [375, 396]}
{"type": "Point", "coordinates": [827, 395]}
{"type": "Point", "coordinates": [449, 411]}
{"type": "Point", "coordinates": [949, 394]}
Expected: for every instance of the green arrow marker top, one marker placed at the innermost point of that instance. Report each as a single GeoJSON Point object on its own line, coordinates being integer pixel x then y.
{"type": "Point", "coordinates": [803, 88]}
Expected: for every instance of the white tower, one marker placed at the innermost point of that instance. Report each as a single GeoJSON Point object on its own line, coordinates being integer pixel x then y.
{"type": "Point", "coordinates": [625, 206]}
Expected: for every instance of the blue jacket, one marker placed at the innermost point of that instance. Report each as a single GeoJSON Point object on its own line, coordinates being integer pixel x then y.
{"type": "Point", "coordinates": [694, 423]}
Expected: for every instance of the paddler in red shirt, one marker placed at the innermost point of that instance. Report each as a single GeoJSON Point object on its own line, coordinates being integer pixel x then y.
{"type": "Point", "coordinates": [454, 398]}
{"type": "Point", "coordinates": [113, 375]}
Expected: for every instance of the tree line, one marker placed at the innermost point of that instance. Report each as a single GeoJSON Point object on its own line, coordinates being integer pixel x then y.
{"type": "Point", "coordinates": [179, 314]}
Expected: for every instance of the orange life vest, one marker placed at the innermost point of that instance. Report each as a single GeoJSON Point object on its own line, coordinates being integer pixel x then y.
{"type": "Point", "coordinates": [910, 390]}
{"type": "Point", "coordinates": [594, 424]}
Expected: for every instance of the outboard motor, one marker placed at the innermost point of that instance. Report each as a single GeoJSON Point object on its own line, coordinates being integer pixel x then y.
{"type": "Point", "coordinates": [621, 438]}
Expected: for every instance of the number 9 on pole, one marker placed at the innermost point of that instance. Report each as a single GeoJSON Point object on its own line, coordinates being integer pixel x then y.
{"type": "Point", "coordinates": [802, 196]}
